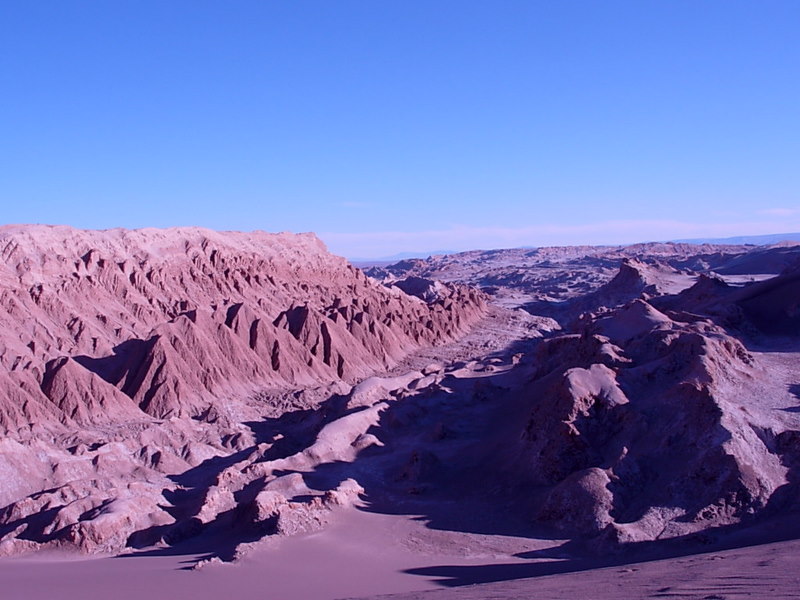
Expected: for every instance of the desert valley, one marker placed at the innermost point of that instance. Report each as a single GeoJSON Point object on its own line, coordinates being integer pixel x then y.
{"type": "Point", "coordinates": [185, 411]}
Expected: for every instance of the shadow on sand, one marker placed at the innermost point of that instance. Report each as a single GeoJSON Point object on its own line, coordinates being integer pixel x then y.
{"type": "Point", "coordinates": [440, 464]}
{"type": "Point", "coordinates": [553, 561]}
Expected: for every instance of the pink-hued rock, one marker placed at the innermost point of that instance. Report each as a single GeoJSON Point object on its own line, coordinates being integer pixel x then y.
{"type": "Point", "coordinates": [133, 362]}
{"type": "Point", "coordinates": [164, 385]}
{"type": "Point", "coordinates": [175, 318]}
{"type": "Point", "coordinates": [84, 398]}
{"type": "Point", "coordinates": [653, 436]}
{"type": "Point", "coordinates": [580, 504]}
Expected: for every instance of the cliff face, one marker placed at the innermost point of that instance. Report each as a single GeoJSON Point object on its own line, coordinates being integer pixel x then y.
{"type": "Point", "coordinates": [133, 363]}
{"type": "Point", "coordinates": [111, 325]}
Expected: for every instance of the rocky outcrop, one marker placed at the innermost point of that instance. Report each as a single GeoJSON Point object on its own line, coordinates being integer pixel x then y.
{"type": "Point", "coordinates": [549, 276]}
{"type": "Point", "coordinates": [640, 428]}
{"type": "Point", "coordinates": [132, 362]}
{"type": "Point", "coordinates": [424, 289]}
{"type": "Point", "coordinates": [772, 306]}
{"type": "Point", "coordinates": [635, 279]}
{"type": "Point", "coordinates": [175, 319]}
{"type": "Point", "coordinates": [83, 398]}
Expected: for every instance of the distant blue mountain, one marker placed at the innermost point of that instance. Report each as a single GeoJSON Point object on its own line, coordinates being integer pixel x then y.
{"type": "Point", "coordinates": [756, 240]}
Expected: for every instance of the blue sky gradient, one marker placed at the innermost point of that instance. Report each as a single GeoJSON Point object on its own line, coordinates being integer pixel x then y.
{"type": "Point", "coordinates": [397, 126]}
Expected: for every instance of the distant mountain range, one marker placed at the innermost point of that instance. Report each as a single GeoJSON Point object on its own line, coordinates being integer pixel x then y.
{"type": "Point", "coordinates": [756, 240]}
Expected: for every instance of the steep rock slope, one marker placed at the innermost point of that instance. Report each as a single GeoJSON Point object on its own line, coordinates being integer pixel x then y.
{"type": "Point", "coordinates": [175, 318]}
{"type": "Point", "coordinates": [644, 426]}
{"type": "Point", "coordinates": [651, 420]}
{"type": "Point", "coordinates": [132, 363]}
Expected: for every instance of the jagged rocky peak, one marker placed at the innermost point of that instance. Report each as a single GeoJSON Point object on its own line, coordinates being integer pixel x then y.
{"type": "Point", "coordinates": [172, 319]}
{"type": "Point", "coordinates": [129, 357]}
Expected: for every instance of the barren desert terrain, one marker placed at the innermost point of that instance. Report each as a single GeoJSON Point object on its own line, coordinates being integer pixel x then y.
{"type": "Point", "coordinates": [195, 413]}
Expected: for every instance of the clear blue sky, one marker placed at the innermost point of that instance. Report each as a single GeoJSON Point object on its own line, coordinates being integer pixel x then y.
{"type": "Point", "coordinates": [388, 126]}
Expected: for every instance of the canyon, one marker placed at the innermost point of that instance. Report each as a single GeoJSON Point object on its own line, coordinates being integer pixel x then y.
{"type": "Point", "coordinates": [248, 403]}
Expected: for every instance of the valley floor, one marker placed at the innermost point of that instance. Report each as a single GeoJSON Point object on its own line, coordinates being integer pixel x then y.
{"type": "Point", "coordinates": [367, 555]}
{"type": "Point", "coordinates": [431, 547]}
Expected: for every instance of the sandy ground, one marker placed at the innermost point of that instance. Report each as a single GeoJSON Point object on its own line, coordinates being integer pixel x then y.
{"type": "Point", "coordinates": [361, 554]}
{"type": "Point", "coordinates": [756, 572]}
{"type": "Point", "coordinates": [367, 555]}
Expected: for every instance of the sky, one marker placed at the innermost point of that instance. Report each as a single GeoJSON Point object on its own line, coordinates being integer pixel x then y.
{"type": "Point", "coordinates": [400, 125]}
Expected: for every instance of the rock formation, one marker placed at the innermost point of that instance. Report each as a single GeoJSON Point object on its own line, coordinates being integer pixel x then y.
{"type": "Point", "coordinates": [164, 386]}
{"type": "Point", "coordinates": [128, 358]}
{"type": "Point", "coordinates": [649, 425]}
